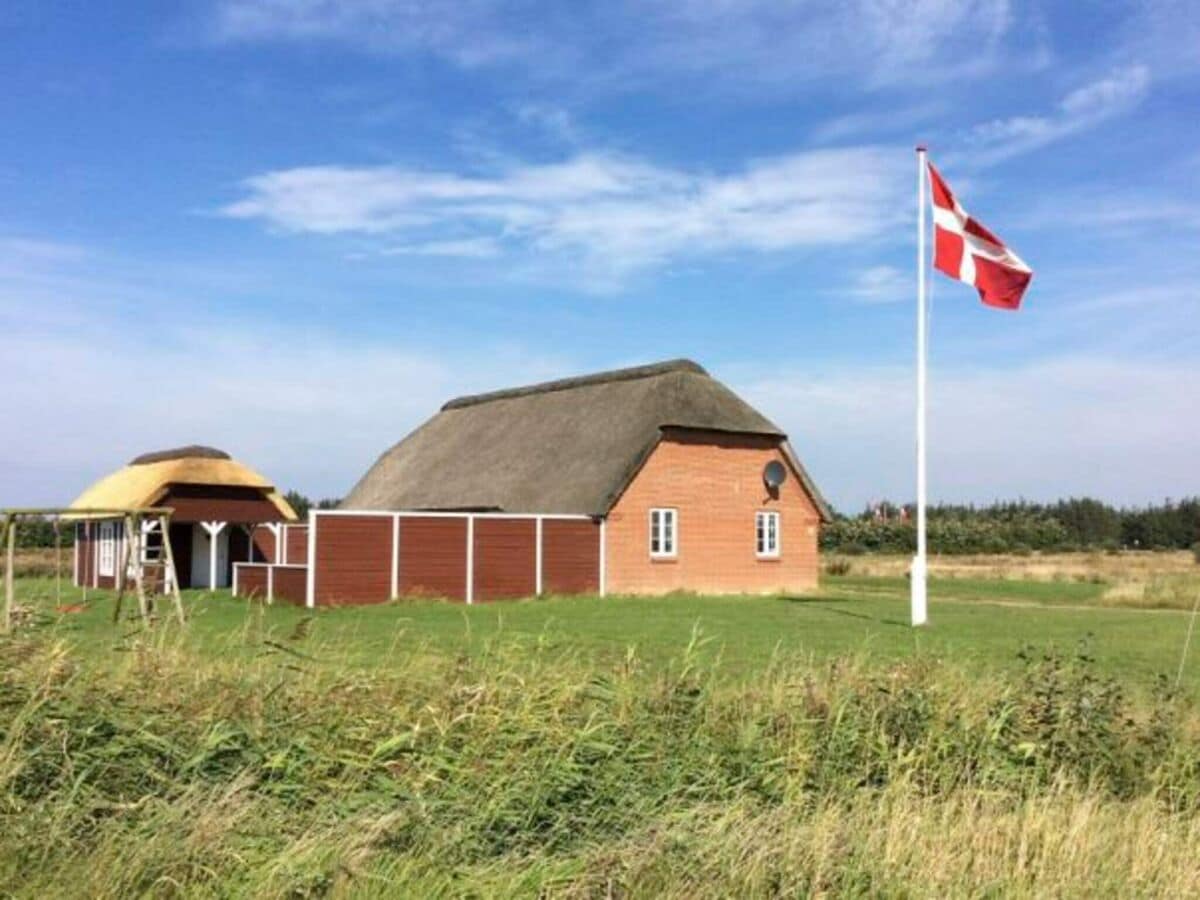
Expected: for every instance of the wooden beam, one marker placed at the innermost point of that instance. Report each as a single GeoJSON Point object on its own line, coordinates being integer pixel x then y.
{"type": "Point", "coordinates": [57, 563]}
{"type": "Point", "coordinates": [85, 512]}
{"type": "Point", "coordinates": [169, 572]}
{"type": "Point", "coordinates": [10, 533]}
{"type": "Point", "coordinates": [135, 529]}
{"type": "Point", "coordinates": [122, 567]}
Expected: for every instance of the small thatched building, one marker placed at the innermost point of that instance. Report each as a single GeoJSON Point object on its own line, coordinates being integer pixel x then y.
{"type": "Point", "coordinates": [216, 504]}
{"type": "Point", "coordinates": [641, 480]}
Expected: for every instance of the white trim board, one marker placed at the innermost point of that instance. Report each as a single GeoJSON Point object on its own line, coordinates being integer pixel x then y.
{"type": "Point", "coordinates": [310, 587]}
{"type": "Point", "coordinates": [411, 513]}
{"type": "Point", "coordinates": [470, 560]}
{"type": "Point", "coordinates": [537, 539]}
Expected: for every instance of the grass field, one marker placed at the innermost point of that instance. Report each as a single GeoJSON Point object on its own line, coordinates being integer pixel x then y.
{"type": "Point", "coordinates": [976, 622]}
{"type": "Point", "coordinates": [1028, 743]}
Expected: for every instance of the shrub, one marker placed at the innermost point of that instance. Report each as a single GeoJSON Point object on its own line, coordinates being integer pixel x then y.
{"type": "Point", "coordinates": [838, 567]}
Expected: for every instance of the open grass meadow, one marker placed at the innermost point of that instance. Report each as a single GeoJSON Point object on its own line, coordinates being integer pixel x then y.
{"type": "Point", "coordinates": [1037, 739]}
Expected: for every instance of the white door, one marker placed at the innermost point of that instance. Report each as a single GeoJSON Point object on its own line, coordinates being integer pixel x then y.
{"type": "Point", "coordinates": [201, 549]}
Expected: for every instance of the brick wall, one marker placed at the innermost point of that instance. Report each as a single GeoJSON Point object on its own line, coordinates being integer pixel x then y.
{"type": "Point", "coordinates": [715, 483]}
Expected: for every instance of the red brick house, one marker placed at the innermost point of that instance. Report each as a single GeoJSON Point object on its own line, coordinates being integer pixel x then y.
{"type": "Point", "coordinates": [644, 480]}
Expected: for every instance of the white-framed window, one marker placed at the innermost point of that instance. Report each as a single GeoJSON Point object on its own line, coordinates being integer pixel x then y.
{"type": "Point", "coordinates": [766, 534]}
{"type": "Point", "coordinates": [108, 548]}
{"type": "Point", "coordinates": [664, 533]}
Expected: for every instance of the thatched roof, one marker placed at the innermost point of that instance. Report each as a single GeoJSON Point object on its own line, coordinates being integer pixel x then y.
{"type": "Point", "coordinates": [568, 446]}
{"type": "Point", "coordinates": [148, 477]}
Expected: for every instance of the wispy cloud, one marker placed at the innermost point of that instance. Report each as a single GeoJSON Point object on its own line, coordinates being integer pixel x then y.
{"type": "Point", "coordinates": [468, 32]}
{"type": "Point", "coordinates": [616, 214]}
{"type": "Point", "coordinates": [761, 42]}
{"type": "Point", "coordinates": [1165, 31]}
{"type": "Point", "coordinates": [1008, 431]}
{"type": "Point", "coordinates": [882, 284]}
{"type": "Point", "coordinates": [871, 124]}
{"type": "Point", "coordinates": [555, 121]}
{"type": "Point", "coordinates": [1081, 109]}
{"type": "Point", "coordinates": [1117, 211]}
{"type": "Point", "coordinates": [22, 251]}
{"type": "Point", "coordinates": [308, 408]}
{"type": "Point", "coordinates": [467, 248]}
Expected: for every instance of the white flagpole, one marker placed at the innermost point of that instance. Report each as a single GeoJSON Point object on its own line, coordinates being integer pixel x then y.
{"type": "Point", "coordinates": [919, 612]}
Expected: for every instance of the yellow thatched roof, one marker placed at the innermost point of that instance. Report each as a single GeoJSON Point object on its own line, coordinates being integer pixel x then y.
{"type": "Point", "coordinates": [142, 484]}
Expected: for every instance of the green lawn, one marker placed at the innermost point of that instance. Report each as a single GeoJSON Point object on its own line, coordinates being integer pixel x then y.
{"type": "Point", "coordinates": [973, 623]}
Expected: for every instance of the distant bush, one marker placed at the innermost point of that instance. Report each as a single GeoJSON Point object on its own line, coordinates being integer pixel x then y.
{"type": "Point", "coordinates": [1019, 528]}
{"type": "Point", "coordinates": [838, 567]}
{"type": "Point", "coordinates": [39, 532]}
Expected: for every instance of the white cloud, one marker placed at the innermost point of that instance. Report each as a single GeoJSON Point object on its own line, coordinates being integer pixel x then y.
{"type": "Point", "coordinates": [555, 121]}
{"type": "Point", "coordinates": [313, 409]}
{"type": "Point", "coordinates": [468, 32]}
{"type": "Point", "coordinates": [1119, 429]}
{"type": "Point", "coordinates": [467, 248]}
{"type": "Point", "coordinates": [762, 42]}
{"type": "Point", "coordinates": [1078, 111]}
{"type": "Point", "coordinates": [877, 121]}
{"type": "Point", "coordinates": [1165, 31]}
{"type": "Point", "coordinates": [614, 214]}
{"type": "Point", "coordinates": [310, 410]}
{"type": "Point", "coordinates": [24, 251]}
{"type": "Point", "coordinates": [882, 284]}
{"type": "Point", "coordinates": [1119, 211]}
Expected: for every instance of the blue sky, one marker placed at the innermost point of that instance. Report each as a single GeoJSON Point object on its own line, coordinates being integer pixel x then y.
{"type": "Point", "coordinates": [293, 229]}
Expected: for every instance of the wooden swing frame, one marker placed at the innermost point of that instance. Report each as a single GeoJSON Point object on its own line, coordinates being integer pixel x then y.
{"type": "Point", "coordinates": [133, 517]}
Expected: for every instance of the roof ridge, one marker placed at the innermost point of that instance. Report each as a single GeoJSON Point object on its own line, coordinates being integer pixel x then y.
{"type": "Point", "coordinates": [565, 384]}
{"type": "Point", "coordinates": [190, 451]}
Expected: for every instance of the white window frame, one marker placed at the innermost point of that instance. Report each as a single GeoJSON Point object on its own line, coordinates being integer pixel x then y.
{"type": "Point", "coordinates": [664, 514]}
{"type": "Point", "coordinates": [107, 566]}
{"type": "Point", "coordinates": [763, 520]}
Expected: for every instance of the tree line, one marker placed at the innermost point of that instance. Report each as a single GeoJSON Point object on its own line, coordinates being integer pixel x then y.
{"type": "Point", "coordinates": [1019, 527]}
{"type": "Point", "coordinates": [1002, 527]}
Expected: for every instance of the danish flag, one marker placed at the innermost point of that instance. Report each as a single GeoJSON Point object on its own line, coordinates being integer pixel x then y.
{"type": "Point", "coordinates": [965, 250]}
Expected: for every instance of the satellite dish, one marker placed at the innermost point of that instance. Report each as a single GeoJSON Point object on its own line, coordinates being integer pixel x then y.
{"type": "Point", "coordinates": [774, 474]}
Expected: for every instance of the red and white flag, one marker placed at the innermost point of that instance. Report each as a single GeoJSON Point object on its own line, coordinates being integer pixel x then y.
{"type": "Point", "coordinates": [965, 250]}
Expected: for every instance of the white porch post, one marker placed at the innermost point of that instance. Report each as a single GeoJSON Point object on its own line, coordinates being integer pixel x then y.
{"type": "Point", "coordinates": [603, 557]}
{"type": "Point", "coordinates": [213, 529]}
{"type": "Point", "coordinates": [538, 557]}
{"type": "Point", "coordinates": [273, 527]}
{"type": "Point", "coordinates": [470, 559]}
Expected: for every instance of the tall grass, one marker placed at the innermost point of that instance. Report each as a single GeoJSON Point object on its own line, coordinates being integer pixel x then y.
{"type": "Point", "coordinates": [520, 771]}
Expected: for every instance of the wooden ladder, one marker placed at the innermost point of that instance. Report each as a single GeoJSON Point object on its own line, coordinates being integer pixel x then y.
{"type": "Point", "coordinates": [151, 573]}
